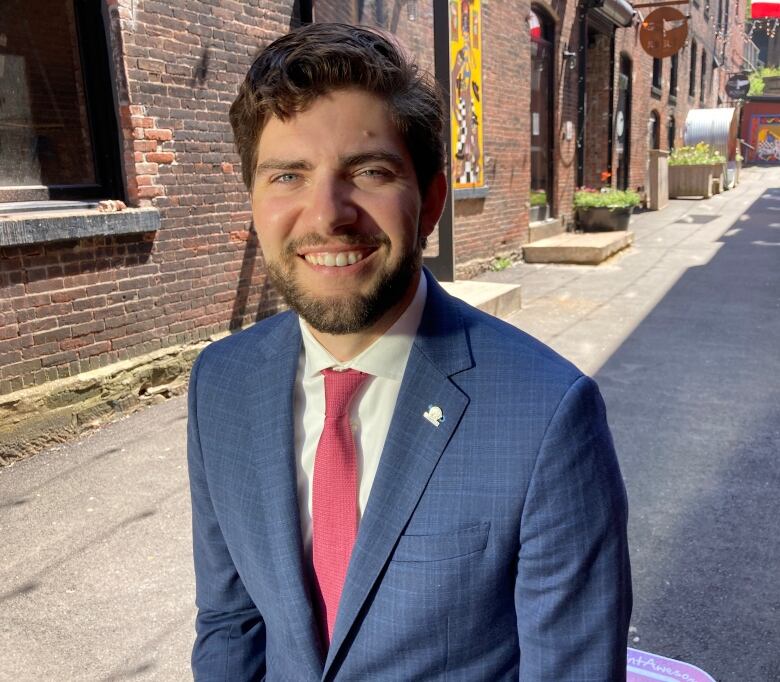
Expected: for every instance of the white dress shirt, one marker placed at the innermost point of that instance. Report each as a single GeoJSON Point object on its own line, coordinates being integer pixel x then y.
{"type": "Point", "coordinates": [370, 412]}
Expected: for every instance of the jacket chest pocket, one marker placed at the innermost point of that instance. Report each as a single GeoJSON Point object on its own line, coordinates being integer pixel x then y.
{"type": "Point", "coordinates": [441, 546]}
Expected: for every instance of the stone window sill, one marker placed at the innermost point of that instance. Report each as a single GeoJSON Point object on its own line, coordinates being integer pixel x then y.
{"type": "Point", "coordinates": [471, 193]}
{"type": "Point", "coordinates": [39, 225]}
{"type": "Point", "coordinates": [656, 92]}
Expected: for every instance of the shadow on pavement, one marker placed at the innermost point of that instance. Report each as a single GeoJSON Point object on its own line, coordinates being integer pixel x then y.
{"type": "Point", "coordinates": [694, 404]}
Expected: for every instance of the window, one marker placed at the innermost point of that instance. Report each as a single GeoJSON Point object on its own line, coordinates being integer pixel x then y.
{"type": "Point", "coordinates": [671, 131]}
{"type": "Point", "coordinates": [654, 131]}
{"type": "Point", "coordinates": [657, 83]}
{"type": "Point", "coordinates": [58, 130]}
{"type": "Point", "coordinates": [714, 84]}
{"type": "Point", "coordinates": [703, 77]}
{"type": "Point", "coordinates": [692, 74]}
{"type": "Point", "coordinates": [542, 34]}
{"type": "Point", "coordinates": [673, 76]}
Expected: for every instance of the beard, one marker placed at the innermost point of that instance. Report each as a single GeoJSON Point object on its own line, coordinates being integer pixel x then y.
{"type": "Point", "coordinates": [352, 312]}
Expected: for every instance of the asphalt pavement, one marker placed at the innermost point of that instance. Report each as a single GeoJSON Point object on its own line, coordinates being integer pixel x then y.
{"type": "Point", "coordinates": [681, 331]}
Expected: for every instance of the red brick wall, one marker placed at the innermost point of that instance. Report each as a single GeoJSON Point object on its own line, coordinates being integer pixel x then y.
{"type": "Point", "coordinates": [725, 42]}
{"type": "Point", "coordinates": [68, 307]}
{"type": "Point", "coordinates": [499, 222]}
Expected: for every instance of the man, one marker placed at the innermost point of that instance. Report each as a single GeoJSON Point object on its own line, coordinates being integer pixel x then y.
{"type": "Point", "coordinates": [388, 484]}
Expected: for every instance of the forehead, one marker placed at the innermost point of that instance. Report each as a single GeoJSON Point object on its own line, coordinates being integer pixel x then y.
{"type": "Point", "coordinates": [340, 121]}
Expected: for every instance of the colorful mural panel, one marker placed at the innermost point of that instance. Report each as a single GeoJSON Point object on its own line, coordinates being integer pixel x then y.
{"type": "Point", "coordinates": [466, 93]}
{"type": "Point", "coordinates": [765, 137]}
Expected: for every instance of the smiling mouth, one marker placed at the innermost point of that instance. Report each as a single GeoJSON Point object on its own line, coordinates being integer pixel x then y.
{"type": "Point", "coordinates": [335, 260]}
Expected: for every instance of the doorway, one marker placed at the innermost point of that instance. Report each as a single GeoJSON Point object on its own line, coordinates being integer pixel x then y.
{"type": "Point", "coordinates": [542, 32]}
{"type": "Point", "coordinates": [623, 124]}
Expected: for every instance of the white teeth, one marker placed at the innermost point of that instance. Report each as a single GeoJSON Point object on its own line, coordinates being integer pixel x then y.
{"type": "Point", "coordinates": [338, 260]}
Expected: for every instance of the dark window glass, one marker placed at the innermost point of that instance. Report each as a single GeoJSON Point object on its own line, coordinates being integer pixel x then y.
{"type": "Point", "coordinates": [45, 136]}
{"type": "Point", "coordinates": [58, 129]}
{"type": "Point", "coordinates": [658, 66]}
{"type": "Point", "coordinates": [671, 131]}
{"type": "Point", "coordinates": [654, 131]}
{"type": "Point", "coordinates": [673, 76]}
{"type": "Point", "coordinates": [703, 76]}
{"type": "Point", "coordinates": [692, 74]}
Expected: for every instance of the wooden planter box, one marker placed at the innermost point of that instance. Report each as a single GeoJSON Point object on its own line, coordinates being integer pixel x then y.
{"type": "Point", "coordinates": [603, 219]}
{"type": "Point", "coordinates": [691, 181]}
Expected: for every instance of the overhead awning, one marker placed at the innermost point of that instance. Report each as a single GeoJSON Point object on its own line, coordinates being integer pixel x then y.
{"type": "Point", "coordinates": [617, 12]}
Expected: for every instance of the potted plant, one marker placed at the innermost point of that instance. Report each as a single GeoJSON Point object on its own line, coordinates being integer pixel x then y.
{"type": "Point", "coordinates": [600, 210]}
{"type": "Point", "coordinates": [696, 171]}
{"type": "Point", "coordinates": [539, 205]}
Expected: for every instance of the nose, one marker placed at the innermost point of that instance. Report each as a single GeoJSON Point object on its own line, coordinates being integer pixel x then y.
{"type": "Point", "coordinates": [330, 206]}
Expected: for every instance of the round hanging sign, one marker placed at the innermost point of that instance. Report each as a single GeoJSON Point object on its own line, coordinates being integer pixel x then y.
{"type": "Point", "coordinates": [737, 86]}
{"type": "Point", "coordinates": [663, 32]}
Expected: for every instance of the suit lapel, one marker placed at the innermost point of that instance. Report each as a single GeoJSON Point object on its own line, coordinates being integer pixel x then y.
{"type": "Point", "coordinates": [412, 449]}
{"type": "Point", "coordinates": [278, 517]}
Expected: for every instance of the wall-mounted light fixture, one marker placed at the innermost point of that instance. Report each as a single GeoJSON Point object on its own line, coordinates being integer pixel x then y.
{"type": "Point", "coordinates": [569, 57]}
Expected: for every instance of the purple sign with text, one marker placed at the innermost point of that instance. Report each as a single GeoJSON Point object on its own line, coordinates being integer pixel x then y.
{"type": "Point", "coordinates": [644, 667]}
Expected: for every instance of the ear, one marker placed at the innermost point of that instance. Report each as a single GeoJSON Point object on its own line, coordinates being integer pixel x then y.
{"type": "Point", "coordinates": [433, 204]}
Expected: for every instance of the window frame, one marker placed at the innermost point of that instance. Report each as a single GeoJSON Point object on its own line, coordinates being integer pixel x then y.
{"type": "Point", "coordinates": [99, 100]}
{"type": "Point", "coordinates": [692, 70]}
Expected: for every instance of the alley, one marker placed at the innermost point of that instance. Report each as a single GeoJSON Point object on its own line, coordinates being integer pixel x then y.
{"type": "Point", "coordinates": [681, 333]}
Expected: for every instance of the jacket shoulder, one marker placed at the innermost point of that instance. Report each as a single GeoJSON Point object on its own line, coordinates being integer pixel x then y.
{"type": "Point", "coordinates": [257, 341]}
{"type": "Point", "coordinates": [493, 340]}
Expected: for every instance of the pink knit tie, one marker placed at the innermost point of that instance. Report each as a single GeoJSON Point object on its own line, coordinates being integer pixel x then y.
{"type": "Point", "coordinates": [335, 495]}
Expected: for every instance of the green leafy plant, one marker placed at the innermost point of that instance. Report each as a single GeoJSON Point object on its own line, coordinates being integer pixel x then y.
{"type": "Point", "coordinates": [500, 263]}
{"type": "Point", "coordinates": [757, 79]}
{"type": "Point", "coordinates": [606, 197]}
{"type": "Point", "coordinates": [538, 197]}
{"type": "Point", "coordinates": [699, 154]}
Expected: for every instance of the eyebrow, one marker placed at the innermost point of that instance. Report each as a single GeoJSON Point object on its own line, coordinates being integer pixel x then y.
{"type": "Point", "coordinates": [282, 164]}
{"type": "Point", "coordinates": [347, 161]}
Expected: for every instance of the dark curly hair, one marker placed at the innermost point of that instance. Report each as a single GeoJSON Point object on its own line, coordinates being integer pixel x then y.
{"type": "Point", "coordinates": [316, 59]}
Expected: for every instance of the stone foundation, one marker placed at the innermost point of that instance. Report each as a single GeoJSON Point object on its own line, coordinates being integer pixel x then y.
{"type": "Point", "coordinates": [34, 418]}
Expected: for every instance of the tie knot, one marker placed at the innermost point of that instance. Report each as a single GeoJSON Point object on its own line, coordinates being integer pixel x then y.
{"type": "Point", "coordinates": [340, 388]}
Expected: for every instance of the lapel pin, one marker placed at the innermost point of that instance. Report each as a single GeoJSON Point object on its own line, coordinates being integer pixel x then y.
{"type": "Point", "coordinates": [434, 415]}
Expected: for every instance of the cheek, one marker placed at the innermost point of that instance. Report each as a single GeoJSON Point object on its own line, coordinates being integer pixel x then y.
{"type": "Point", "coordinates": [272, 217]}
{"type": "Point", "coordinates": [398, 219]}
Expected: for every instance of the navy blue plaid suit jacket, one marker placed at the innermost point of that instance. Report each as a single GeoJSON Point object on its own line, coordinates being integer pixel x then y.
{"type": "Point", "coordinates": [493, 546]}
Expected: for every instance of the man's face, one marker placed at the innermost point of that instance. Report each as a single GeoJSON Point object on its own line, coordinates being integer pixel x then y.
{"type": "Point", "coordinates": [338, 212]}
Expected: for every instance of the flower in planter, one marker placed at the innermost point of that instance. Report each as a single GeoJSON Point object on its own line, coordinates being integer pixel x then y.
{"type": "Point", "coordinates": [700, 154]}
{"type": "Point", "coordinates": [606, 197]}
{"type": "Point", "coordinates": [538, 197]}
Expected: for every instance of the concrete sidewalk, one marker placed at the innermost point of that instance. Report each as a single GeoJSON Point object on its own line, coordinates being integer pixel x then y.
{"type": "Point", "coordinates": [96, 578]}
{"type": "Point", "coordinates": [585, 312]}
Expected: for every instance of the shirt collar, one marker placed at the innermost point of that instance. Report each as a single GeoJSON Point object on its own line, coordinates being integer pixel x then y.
{"type": "Point", "coordinates": [386, 357]}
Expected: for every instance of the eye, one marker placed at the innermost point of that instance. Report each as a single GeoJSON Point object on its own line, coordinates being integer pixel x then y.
{"type": "Point", "coordinates": [284, 178]}
{"type": "Point", "coordinates": [378, 173]}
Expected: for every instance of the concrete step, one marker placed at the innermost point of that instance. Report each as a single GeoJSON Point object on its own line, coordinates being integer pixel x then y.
{"type": "Point", "coordinates": [494, 298]}
{"type": "Point", "coordinates": [544, 229]}
{"type": "Point", "coordinates": [587, 248]}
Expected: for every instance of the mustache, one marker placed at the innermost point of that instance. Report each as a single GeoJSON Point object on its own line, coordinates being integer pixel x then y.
{"type": "Point", "coordinates": [314, 239]}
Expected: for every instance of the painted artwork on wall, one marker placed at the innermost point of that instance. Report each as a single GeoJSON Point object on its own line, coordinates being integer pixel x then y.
{"type": "Point", "coordinates": [466, 93]}
{"type": "Point", "coordinates": [765, 137]}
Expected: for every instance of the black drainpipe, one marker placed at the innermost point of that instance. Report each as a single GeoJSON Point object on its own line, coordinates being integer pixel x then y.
{"type": "Point", "coordinates": [582, 70]}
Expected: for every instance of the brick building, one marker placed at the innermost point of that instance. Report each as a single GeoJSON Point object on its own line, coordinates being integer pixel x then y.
{"type": "Point", "coordinates": [127, 100]}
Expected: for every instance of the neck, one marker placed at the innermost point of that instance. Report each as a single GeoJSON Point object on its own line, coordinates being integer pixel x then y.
{"type": "Point", "coordinates": [344, 347]}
